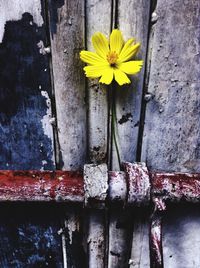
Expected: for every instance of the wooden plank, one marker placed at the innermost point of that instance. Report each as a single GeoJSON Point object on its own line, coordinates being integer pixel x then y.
{"type": "Point", "coordinates": [25, 113]}
{"type": "Point", "coordinates": [66, 20]}
{"type": "Point", "coordinates": [97, 93]}
{"type": "Point", "coordinates": [130, 20]}
{"type": "Point", "coordinates": [40, 186]}
{"type": "Point", "coordinates": [98, 19]}
{"type": "Point", "coordinates": [171, 134]}
{"type": "Point", "coordinates": [26, 136]}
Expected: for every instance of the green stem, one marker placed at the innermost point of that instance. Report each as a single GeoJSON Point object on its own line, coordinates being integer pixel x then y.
{"type": "Point", "coordinates": [113, 123]}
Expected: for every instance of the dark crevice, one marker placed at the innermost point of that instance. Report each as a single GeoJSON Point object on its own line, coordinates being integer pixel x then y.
{"type": "Point", "coordinates": [58, 155]}
{"type": "Point", "coordinates": [86, 87]}
{"type": "Point", "coordinates": [114, 15]}
{"type": "Point", "coordinates": [153, 4]}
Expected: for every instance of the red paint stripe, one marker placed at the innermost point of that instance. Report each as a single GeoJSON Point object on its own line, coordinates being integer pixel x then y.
{"type": "Point", "coordinates": [41, 186]}
{"type": "Point", "coordinates": [176, 186]}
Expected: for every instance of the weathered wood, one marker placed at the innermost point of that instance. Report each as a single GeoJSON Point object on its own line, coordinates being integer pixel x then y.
{"type": "Point", "coordinates": [95, 184]}
{"type": "Point", "coordinates": [130, 20]}
{"type": "Point", "coordinates": [66, 20]}
{"type": "Point", "coordinates": [40, 186]}
{"type": "Point", "coordinates": [26, 136]}
{"type": "Point", "coordinates": [171, 133]}
{"type": "Point", "coordinates": [98, 19]}
{"type": "Point", "coordinates": [25, 94]}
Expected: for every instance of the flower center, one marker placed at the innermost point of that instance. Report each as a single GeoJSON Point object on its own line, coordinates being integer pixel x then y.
{"type": "Point", "coordinates": [112, 57]}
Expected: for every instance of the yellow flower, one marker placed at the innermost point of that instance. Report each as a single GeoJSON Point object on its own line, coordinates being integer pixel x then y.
{"type": "Point", "coordinates": [112, 58]}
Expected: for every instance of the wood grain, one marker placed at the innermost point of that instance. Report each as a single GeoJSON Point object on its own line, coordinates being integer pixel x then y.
{"type": "Point", "coordinates": [171, 133]}
{"type": "Point", "coordinates": [131, 22]}
{"type": "Point", "coordinates": [67, 40]}
{"type": "Point", "coordinates": [98, 19]}
{"type": "Point", "coordinates": [26, 135]}
{"type": "Point", "coordinates": [67, 34]}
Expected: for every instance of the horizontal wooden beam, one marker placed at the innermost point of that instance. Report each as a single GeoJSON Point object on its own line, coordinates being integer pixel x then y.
{"type": "Point", "coordinates": [19, 185]}
{"type": "Point", "coordinates": [133, 186]}
{"type": "Point", "coordinates": [96, 185]}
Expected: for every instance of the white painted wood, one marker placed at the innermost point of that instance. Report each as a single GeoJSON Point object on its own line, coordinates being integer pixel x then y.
{"type": "Point", "coordinates": [140, 243]}
{"type": "Point", "coordinates": [171, 134]}
{"type": "Point", "coordinates": [95, 183]}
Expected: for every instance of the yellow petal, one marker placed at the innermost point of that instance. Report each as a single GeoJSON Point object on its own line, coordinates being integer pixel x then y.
{"type": "Point", "coordinates": [131, 67]}
{"type": "Point", "coordinates": [107, 76]}
{"type": "Point", "coordinates": [128, 51]}
{"type": "Point", "coordinates": [121, 77]}
{"type": "Point", "coordinates": [91, 58]}
{"type": "Point", "coordinates": [100, 44]}
{"type": "Point", "coordinates": [116, 41]}
{"type": "Point", "coordinates": [94, 71]}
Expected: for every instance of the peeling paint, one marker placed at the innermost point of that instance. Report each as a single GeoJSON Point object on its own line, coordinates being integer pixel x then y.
{"type": "Point", "coordinates": [14, 10]}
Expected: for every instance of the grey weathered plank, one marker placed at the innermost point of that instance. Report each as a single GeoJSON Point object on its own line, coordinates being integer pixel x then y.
{"type": "Point", "coordinates": [26, 136]}
{"type": "Point", "coordinates": [97, 93]}
{"type": "Point", "coordinates": [171, 134]}
{"type": "Point", "coordinates": [131, 22]}
{"type": "Point", "coordinates": [98, 18]}
{"type": "Point", "coordinates": [66, 20]}
{"type": "Point", "coordinates": [67, 40]}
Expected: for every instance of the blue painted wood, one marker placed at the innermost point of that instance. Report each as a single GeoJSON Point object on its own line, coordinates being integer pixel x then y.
{"type": "Point", "coordinates": [28, 234]}
{"type": "Point", "coordinates": [24, 75]}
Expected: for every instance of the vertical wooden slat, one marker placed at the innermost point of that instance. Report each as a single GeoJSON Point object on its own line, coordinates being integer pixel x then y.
{"type": "Point", "coordinates": [26, 136]}
{"type": "Point", "coordinates": [66, 19]}
{"type": "Point", "coordinates": [67, 40]}
{"type": "Point", "coordinates": [171, 133]}
{"type": "Point", "coordinates": [98, 18]}
{"type": "Point", "coordinates": [133, 20]}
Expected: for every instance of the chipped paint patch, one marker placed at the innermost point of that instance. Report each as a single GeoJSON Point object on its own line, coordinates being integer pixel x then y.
{"type": "Point", "coordinates": [13, 11]}
{"type": "Point", "coordinates": [46, 120]}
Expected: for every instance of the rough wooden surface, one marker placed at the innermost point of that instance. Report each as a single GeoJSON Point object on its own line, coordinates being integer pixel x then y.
{"type": "Point", "coordinates": [67, 40]}
{"type": "Point", "coordinates": [25, 107]}
{"type": "Point", "coordinates": [171, 135]}
{"type": "Point", "coordinates": [26, 136]}
{"type": "Point", "coordinates": [130, 19]}
{"type": "Point", "coordinates": [98, 19]}
{"type": "Point", "coordinates": [131, 22]}
{"type": "Point", "coordinates": [40, 186]}
{"type": "Point", "coordinates": [66, 21]}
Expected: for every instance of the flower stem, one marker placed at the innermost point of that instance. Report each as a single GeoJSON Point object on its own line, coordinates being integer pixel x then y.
{"type": "Point", "coordinates": [114, 122]}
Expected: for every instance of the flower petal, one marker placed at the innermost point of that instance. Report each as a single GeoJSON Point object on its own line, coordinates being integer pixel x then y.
{"type": "Point", "coordinates": [121, 77]}
{"type": "Point", "coordinates": [94, 71]}
{"type": "Point", "coordinates": [92, 58]}
{"type": "Point", "coordinates": [107, 76]}
{"type": "Point", "coordinates": [116, 41]}
{"type": "Point", "coordinates": [100, 44]}
{"type": "Point", "coordinates": [131, 67]}
{"type": "Point", "coordinates": [128, 51]}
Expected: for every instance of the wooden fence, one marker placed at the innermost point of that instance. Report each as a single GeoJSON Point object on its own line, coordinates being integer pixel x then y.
{"type": "Point", "coordinates": [52, 118]}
